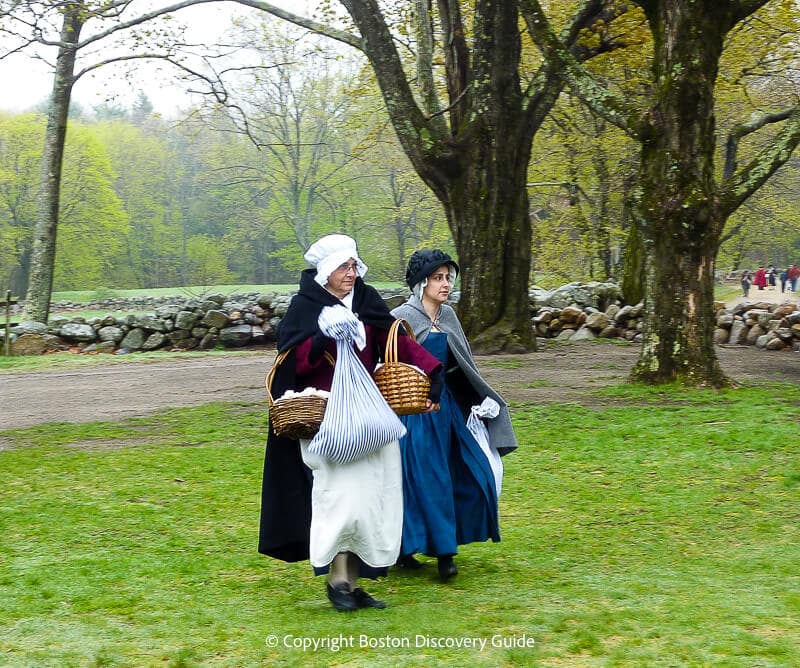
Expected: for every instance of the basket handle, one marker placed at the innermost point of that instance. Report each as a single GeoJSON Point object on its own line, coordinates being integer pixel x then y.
{"type": "Point", "coordinates": [278, 360]}
{"type": "Point", "coordinates": [390, 355]}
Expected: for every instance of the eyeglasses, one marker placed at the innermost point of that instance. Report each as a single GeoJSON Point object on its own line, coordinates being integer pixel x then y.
{"type": "Point", "coordinates": [348, 266]}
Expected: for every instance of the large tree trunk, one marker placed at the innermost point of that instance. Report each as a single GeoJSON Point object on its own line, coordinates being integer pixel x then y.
{"type": "Point", "coordinates": [487, 200]}
{"type": "Point", "coordinates": [682, 217]}
{"type": "Point", "coordinates": [476, 161]}
{"type": "Point", "coordinates": [477, 167]}
{"type": "Point", "coordinates": [40, 286]}
{"type": "Point", "coordinates": [488, 212]}
{"type": "Point", "coordinates": [678, 342]}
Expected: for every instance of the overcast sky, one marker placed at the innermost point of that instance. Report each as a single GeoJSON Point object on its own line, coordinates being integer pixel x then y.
{"type": "Point", "coordinates": [28, 82]}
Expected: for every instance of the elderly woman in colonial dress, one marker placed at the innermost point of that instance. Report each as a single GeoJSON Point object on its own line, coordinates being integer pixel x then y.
{"type": "Point", "coordinates": [345, 518]}
{"type": "Point", "coordinates": [450, 488]}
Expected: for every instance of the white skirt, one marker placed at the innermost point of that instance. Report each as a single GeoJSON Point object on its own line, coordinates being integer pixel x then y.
{"type": "Point", "coordinates": [356, 507]}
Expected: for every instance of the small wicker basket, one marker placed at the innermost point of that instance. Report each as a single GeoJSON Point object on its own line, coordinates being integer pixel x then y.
{"type": "Point", "coordinates": [404, 387]}
{"type": "Point", "coordinates": [294, 417]}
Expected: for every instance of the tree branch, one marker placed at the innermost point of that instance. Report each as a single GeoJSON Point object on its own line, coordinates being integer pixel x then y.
{"type": "Point", "coordinates": [423, 29]}
{"type": "Point", "coordinates": [741, 9]}
{"type": "Point", "coordinates": [736, 189]}
{"type": "Point", "coordinates": [142, 18]}
{"type": "Point", "coordinates": [744, 129]}
{"type": "Point", "coordinates": [339, 35]}
{"type": "Point", "coordinates": [602, 101]}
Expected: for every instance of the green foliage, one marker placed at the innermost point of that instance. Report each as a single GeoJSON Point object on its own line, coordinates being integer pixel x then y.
{"type": "Point", "coordinates": [196, 201]}
{"type": "Point", "coordinates": [21, 139]}
{"type": "Point", "coordinates": [205, 261]}
{"type": "Point", "coordinates": [146, 183]}
{"type": "Point", "coordinates": [577, 190]}
{"type": "Point", "coordinates": [93, 222]}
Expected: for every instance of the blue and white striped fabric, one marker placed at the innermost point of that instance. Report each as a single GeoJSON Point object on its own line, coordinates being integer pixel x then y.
{"type": "Point", "coordinates": [357, 419]}
{"type": "Point", "coordinates": [340, 323]}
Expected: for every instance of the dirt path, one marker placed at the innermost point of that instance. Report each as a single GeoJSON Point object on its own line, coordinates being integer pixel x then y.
{"type": "Point", "coordinates": [556, 373]}
{"type": "Point", "coordinates": [770, 295]}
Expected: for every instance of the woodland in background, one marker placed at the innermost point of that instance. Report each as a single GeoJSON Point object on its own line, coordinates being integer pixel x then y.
{"type": "Point", "coordinates": [153, 202]}
{"type": "Point", "coordinates": [582, 177]}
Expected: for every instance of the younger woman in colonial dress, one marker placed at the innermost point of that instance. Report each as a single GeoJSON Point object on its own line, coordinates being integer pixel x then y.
{"type": "Point", "coordinates": [449, 487]}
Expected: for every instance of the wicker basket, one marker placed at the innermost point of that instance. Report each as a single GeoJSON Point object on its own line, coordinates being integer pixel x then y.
{"type": "Point", "coordinates": [294, 417]}
{"type": "Point", "coordinates": [404, 387]}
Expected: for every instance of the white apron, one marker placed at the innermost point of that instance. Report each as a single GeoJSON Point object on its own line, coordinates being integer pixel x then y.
{"type": "Point", "coordinates": [356, 507]}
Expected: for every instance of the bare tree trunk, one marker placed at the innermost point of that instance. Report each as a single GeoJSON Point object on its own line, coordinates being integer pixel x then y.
{"type": "Point", "coordinates": [492, 232]}
{"type": "Point", "coordinates": [40, 286]}
{"type": "Point", "coordinates": [678, 342]}
{"type": "Point", "coordinates": [679, 205]}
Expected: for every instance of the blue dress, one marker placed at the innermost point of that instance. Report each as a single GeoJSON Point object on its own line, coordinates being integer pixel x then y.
{"type": "Point", "coordinates": [449, 494]}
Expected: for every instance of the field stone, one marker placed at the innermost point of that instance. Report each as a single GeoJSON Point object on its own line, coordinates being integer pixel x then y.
{"type": "Point", "coordinates": [134, 340]}
{"type": "Point", "coordinates": [236, 336]}
{"type": "Point", "coordinates": [583, 334]}
{"type": "Point", "coordinates": [155, 340]}
{"type": "Point", "coordinates": [186, 319]}
{"type": "Point", "coordinates": [597, 322]}
{"type": "Point", "coordinates": [110, 333]}
{"type": "Point", "coordinates": [725, 320]}
{"type": "Point", "coordinates": [29, 344]}
{"type": "Point", "coordinates": [775, 344]}
{"type": "Point", "coordinates": [29, 327]}
{"type": "Point", "coordinates": [610, 332]}
{"type": "Point", "coordinates": [215, 319]}
{"type": "Point", "coordinates": [738, 333]}
{"type": "Point", "coordinates": [753, 334]}
{"type": "Point", "coordinates": [783, 310]}
{"type": "Point", "coordinates": [208, 341]}
{"type": "Point", "coordinates": [761, 341]}
{"type": "Point", "coordinates": [101, 347]}
{"type": "Point", "coordinates": [75, 331]}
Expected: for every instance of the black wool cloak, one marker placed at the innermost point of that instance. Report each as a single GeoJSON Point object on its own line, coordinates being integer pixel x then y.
{"type": "Point", "coordinates": [286, 485]}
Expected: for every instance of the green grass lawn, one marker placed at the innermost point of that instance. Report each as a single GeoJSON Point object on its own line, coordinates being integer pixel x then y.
{"type": "Point", "coordinates": [658, 531]}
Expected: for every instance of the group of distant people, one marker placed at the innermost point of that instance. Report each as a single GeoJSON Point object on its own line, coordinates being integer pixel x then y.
{"type": "Point", "coordinates": [762, 278]}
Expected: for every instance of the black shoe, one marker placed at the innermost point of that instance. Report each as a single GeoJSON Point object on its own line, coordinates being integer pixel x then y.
{"type": "Point", "coordinates": [408, 561]}
{"type": "Point", "coordinates": [364, 600]}
{"type": "Point", "coordinates": [447, 568]}
{"type": "Point", "coordinates": [341, 597]}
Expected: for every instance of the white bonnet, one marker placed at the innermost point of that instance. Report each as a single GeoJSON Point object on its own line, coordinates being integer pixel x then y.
{"type": "Point", "coordinates": [330, 252]}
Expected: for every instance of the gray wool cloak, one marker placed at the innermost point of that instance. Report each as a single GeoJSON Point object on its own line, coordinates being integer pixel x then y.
{"type": "Point", "coordinates": [501, 433]}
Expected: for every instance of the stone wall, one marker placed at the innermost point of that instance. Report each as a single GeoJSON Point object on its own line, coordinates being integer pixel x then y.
{"type": "Point", "coordinates": [576, 312]}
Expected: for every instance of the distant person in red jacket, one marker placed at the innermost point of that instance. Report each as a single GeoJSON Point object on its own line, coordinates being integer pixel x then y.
{"type": "Point", "coordinates": [793, 274]}
{"type": "Point", "coordinates": [760, 278]}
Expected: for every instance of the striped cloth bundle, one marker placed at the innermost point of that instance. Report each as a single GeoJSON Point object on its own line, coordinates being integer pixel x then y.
{"type": "Point", "coordinates": [357, 419]}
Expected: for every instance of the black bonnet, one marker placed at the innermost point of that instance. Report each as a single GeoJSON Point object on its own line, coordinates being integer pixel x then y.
{"type": "Point", "coordinates": [424, 262]}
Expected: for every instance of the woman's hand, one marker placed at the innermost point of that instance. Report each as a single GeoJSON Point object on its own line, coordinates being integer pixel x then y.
{"type": "Point", "coordinates": [430, 407]}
